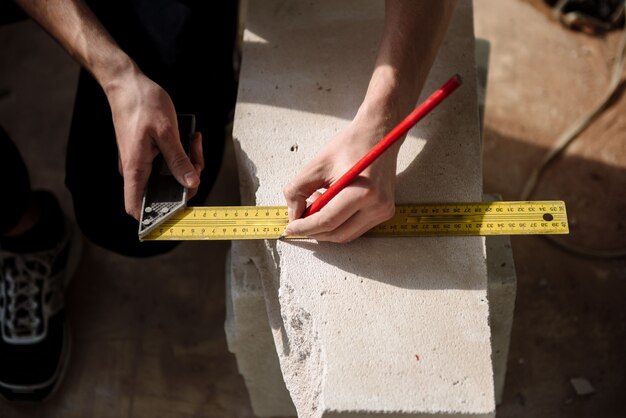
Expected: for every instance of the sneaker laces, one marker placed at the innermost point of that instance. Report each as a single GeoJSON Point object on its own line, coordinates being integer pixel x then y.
{"type": "Point", "coordinates": [23, 277]}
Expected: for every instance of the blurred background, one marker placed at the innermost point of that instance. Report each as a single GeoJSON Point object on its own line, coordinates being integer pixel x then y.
{"type": "Point", "coordinates": [148, 336]}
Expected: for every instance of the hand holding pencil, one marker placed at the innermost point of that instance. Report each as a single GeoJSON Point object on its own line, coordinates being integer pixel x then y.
{"type": "Point", "coordinates": [358, 168]}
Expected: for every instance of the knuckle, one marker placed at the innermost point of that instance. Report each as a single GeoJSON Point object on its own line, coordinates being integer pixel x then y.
{"type": "Point", "coordinates": [327, 223]}
{"type": "Point", "coordinates": [165, 129]}
{"type": "Point", "coordinates": [290, 191]}
{"type": "Point", "coordinates": [381, 203]}
{"type": "Point", "coordinates": [387, 209]}
{"type": "Point", "coordinates": [179, 161]}
{"type": "Point", "coordinates": [375, 196]}
{"type": "Point", "coordinates": [134, 174]}
{"type": "Point", "coordinates": [287, 190]}
{"type": "Point", "coordinates": [130, 211]}
{"type": "Point", "coordinates": [343, 240]}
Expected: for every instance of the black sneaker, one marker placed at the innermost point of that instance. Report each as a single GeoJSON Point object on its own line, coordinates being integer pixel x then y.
{"type": "Point", "coordinates": [34, 338]}
{"type": "Point", "coordinates": [592, 16]}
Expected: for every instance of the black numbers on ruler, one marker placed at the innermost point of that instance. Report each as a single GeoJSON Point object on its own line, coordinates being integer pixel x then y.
{"type": "Point", "coordinates": [494, 216]}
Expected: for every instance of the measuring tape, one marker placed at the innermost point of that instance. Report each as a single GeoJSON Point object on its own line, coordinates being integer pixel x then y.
{"type": "Point", "coordinates": [444, 219]}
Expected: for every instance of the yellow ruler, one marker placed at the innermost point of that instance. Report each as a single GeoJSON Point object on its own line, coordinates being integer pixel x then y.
{"type": "Point", "coordinates": [436, 219]}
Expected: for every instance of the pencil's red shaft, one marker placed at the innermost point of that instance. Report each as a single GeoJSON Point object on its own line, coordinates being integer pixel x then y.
{"type": "Point", "coordinates": [382, 145]}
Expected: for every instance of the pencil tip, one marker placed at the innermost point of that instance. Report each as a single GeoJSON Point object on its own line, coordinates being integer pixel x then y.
{"type": "Point", "coordinates": [459, 78]}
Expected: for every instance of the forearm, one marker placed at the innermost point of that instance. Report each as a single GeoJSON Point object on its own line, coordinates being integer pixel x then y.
{"type": "Point", "coordinates": [411, 38]}
{"type": "Point", "coordinates": [77, 29]}
{"type": "Point", "coordinates": [143, 113]}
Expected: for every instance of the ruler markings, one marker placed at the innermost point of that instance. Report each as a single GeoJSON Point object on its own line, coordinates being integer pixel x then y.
{"type": "Point", "coordinates": [442, 219]}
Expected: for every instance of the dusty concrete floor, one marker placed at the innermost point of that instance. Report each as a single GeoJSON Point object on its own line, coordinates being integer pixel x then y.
{"type": "Point", "coordinates": [569, 317]}
{"type": "Point", "coordinates": [148, 335]}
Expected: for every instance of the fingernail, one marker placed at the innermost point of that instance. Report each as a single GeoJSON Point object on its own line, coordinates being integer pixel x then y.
{"type": "Point", "coordinates": [287, 231]}
{"type": "Point", "coordinates": [191, 179]}
{"type": "Point", "coordinates": [290, 214]}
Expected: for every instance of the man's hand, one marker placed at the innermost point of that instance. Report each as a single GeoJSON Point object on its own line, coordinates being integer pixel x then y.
{"type": "Point", "coordinates": [143, 113]}
{"type": "Point", "coordinates": [145, 124]}
{"type": "Point", "coordinates": [368, 201]}
{"type": "Point", "coordinates": [411, 38]}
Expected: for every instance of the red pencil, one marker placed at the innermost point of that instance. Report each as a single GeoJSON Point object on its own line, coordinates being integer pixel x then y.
{"type": "Point", "coordinates": [384, 144]}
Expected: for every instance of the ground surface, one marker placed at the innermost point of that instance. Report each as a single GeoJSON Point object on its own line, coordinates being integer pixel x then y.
{"type": "Point", "coordinates": [569, 317]}
{"type": "Point", "coordinates": [148, 335]}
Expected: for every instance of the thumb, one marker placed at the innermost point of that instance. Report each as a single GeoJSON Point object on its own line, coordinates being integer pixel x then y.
{"type": "Point", "coordinates": [177, 160]}
{"type": "Point", "coordinates": [301, 188]}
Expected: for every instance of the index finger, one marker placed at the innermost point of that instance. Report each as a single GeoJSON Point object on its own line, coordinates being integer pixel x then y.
{"type": "Point", "coordinates": [135, 180]}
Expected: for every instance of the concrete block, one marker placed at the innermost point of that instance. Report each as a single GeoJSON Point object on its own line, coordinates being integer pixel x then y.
{"type": "Point", "coordinates": [249, 336]}
{"type": "Point", "coordinates": [501, 293]}
{"type": "Point", "coordinates": [254, 348]}
{"type": "Point", "coordinates": [260, 366]}
{"type": "Point", "coordinates": [270, 396]}
{"type": "Point", "coordinates": [379, 326]}
{"type": "Point", "coordinates": [483, 50]}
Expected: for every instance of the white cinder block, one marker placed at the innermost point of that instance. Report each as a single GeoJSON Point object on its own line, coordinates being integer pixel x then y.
{"type": "Point", "coordinates": [379, 326]}
{"type": "Point", "coordinates": [501, 292]}
{"type": "Point", "coordinates": [502, 288]}
{"type": "Point", "coordinates": [249, 336]}
{"type": "Point", "coordinates": [270, 397]}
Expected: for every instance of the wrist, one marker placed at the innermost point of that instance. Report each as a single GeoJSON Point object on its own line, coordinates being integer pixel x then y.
{"type": "Point", "coordinates": [117, 73]}
{"type": "Point", "coordinates": [389, 98]}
